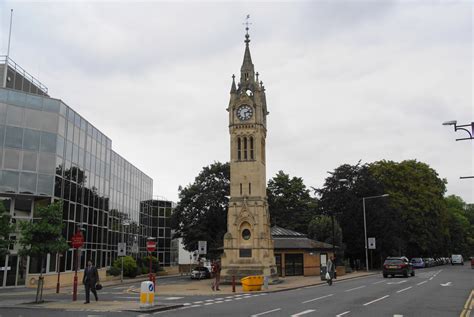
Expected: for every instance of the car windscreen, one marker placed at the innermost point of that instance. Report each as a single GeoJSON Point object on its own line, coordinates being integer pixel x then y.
{"type": "Point", "coordinates": [393, 261]}
{"type": "Point", "coordinates": [416, 260]}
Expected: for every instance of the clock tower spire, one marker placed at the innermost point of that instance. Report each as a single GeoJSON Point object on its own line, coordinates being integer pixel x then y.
{"type": "Point", "coordinates": [248, 245]}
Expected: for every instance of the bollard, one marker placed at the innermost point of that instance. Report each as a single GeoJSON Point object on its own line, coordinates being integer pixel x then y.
{"type": "Point", "coordinates": [265, 282]}
{"type": "Point", "coordinates": [233, 283]}
{"type": "Point", "coordinates": [147, 294]}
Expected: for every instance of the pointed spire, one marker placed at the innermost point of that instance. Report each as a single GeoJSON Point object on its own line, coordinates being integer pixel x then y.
{"type": "Point", "coordinates": [247, 72]}
{"type": "Point", "coordinates": [233, 88]}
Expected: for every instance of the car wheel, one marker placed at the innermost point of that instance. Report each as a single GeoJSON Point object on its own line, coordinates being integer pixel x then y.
{"type": "Point", "coordinates": [405, 274]}
{"type": "Point", "coordinates": [384, 275]}
{"type": "Point", "coordinates": [413, 273]}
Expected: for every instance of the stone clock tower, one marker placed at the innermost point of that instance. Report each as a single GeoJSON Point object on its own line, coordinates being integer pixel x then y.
{"type": "Point", "coordinates": [248, 245]}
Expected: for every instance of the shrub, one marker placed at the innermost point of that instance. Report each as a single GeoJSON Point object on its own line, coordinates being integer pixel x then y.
{"type": "Point", "coordinates": [113, 271]}
{"type": "Point", "coordinates": [129, 266]}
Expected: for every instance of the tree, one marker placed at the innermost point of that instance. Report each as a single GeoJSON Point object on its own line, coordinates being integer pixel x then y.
{"type": "Point", "coordinates": [459, 228]}
{"type": "Point", "coordinates": [320, 228]}
{"type": "Point", "coordinates": [290, 203]}
{"type": "Point", "coordinates": [201, 213]}
{"type": "Point", "coordinates": [42, 236]}
{"type": "Point", "coordinates": [6, 228]}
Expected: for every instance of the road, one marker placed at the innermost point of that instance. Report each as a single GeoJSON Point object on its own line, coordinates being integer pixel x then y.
{"type": "Point", "coordinates": [438, 291]}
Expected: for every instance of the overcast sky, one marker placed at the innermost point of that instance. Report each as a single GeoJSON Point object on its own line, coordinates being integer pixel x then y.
{"type": "Point", "coordinates": [345, 81]}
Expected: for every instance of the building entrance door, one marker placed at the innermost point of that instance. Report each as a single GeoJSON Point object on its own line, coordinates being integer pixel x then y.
{"type": "Point", "coordinates": [11, 268]}
{"type": "Point", "coordinates": [13, 271]}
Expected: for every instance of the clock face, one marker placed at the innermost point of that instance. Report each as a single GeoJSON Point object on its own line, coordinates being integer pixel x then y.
{"type": "Point", "coordinates": [244, 112]}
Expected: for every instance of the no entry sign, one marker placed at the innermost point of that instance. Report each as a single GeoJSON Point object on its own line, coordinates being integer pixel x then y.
{"type": "Point", "coordinates": [77, 240]}
{"type": "Point", "coordinates": [151, 246]}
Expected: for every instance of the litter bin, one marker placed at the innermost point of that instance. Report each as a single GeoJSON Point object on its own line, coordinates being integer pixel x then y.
{"type": "Point", "coordinates": [252, 283]}
{"type": "Point", "coordinates": [147, 294]}
{"type": "Point", "coordinates": [322, 272]}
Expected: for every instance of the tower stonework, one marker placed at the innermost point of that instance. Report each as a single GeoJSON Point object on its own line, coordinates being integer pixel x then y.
{"type": "Point", "coordinates": [248, 244]}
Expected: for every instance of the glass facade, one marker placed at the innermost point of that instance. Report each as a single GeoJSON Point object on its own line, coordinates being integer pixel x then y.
{"type": "Point", "coordinates": [49, 152]}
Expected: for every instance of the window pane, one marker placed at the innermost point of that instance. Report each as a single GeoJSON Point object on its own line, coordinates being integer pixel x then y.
{"type": "Point", "coordinates": [48, 142]}
{"type": "Point", "coordinates": [33, 101]}
{"type": "Point", "coordinates": [12, 159]}
{"type": "Point", "coordinates": [47, 163]}
{"type": "Point", "coordinates": [49, 122]}
{"type": "Point", "coordinates": [31, 140]}
{"type": "Point", "coordinates": [15, 115]}
{"type": "Point", "coordinates": [14, 137]}
{"type": "Point", "coordinates": [28, 183]}
{"type": "Point", "coordinates": [33, 119]}
{"type": "Point", "coordinates": [45, 184]}
{"type": "Point", "coordinates": [9, 181]}
{"type": "Point", "coordinates": [3, 113]}
{"type": "Point", "coordinates": [29, 161]}
{"type": "Point", "coordinates": [60, 146]}
{"type": "Point", "coordinates": [51, 105]}
{"type": "Point", "coordinates": [62, 126]}
{"type": "Point", "coordinates": [2, 134]}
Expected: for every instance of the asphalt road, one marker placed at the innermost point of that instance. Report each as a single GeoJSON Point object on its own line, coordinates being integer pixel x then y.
{"type": "Point", "coordinates": [438, 291]}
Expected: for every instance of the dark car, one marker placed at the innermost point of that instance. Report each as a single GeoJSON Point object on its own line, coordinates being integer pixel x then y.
{"type": "Point", "coordinates": [200, 272]}
{"type": "Point", "coordinates": [397, 266]}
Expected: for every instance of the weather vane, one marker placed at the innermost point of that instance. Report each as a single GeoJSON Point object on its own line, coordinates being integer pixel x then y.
{"type": "Point", "coordinates": [247, 23]}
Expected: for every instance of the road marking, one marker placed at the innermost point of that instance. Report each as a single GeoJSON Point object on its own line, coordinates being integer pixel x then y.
{"type": "Point", "coordinates": [312, 300]}
{"type": "Point", "coordinates": [378, 282]}
{"type": "Point", "coordinates": [376, 300]}
{"type": "Point", "coordinates": [431, 278]}
{"type": "Point", "coordinates": [208, 304]}
{"type": "Point", "coordinates": [220, 298]}
{"type": "Point", "coordinates": [266, 312]}
{"type": "Point", "coordinates": [402, 290]}
{"type": "Point", "coordinates": [396, 283]}
{"type": "Point", "coordinates": [209, 300]}
{"type": "Point", "coordinates": [446, 284]}
{"type": "Point", "coordinates": [342, 314]}
{"type": "Point", "coordinates": [121, 287]}
{"type": "Point", "coordinates": [397, 315]}
{"type": "Point", "coordinates": [172, 298]}
{"type": "Point", "coordinates": [353, 289]}
{"type": "Point", "coordinates": [187, 304]}
{"type": "Point", "coordinates": [303, 313]}
{"type": "Point", "coordinates": [219, 301]}
{"type": "Point", "coordinates": [230, 297]}
{"type": "Point", "coordinates": [227, 300]}
{"type": "Point", "coordinates": [422, 282]}
{"type": "Point", "coordinates": [238, 298]}
{"type": "Point", "coordinates": [198, 302]}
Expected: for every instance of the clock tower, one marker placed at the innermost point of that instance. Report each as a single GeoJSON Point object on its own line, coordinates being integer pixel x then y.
{"type": "Point", "coordinates": [248, 244]}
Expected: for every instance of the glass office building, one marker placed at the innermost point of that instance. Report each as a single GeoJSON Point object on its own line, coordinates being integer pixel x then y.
{"type": "Point", "coordinates": [49, 152]}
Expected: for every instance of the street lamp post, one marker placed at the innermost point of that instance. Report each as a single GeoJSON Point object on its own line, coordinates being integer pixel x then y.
{"type": "Point", "coordinates": [365, 228]}
{"type": "Point", "coordinates": [465, 128]}
{"type": "Point", "coordinates": [124, 223]}
{"type": "Point", "coordinates": [58, 261]}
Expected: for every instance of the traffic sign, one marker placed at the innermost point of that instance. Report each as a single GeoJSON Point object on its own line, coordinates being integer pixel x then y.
{"type": "Point", "coordinates": [202, 247]}
{"type": "Point", "coordinates": [122, 249]}
{"type": "Point", "coordinates": [371, 243]}
{"type": "Point", "coordinates": [77, 240]}
{"type": "Point", "coordinates": [135, 248]}
{"type": "Point", "coordinates": [151, 246]}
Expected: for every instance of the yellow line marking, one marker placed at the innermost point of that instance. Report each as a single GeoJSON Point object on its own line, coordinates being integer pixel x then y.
{"type": "Point", "coordinates": [466, 312]}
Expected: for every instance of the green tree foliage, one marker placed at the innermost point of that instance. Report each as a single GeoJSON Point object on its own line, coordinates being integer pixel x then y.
{"type": "Point", "coordinates": [43, 235]}
{"type": "Point", "coordinates": [459, 230]}
{"type": "Point", "coordinates": [6, 228]}
{"type": "Point", "coordinates": [320, 228]}
{"type": "Point", "coordinates": [290, 203]}
{"type": "Point", "coordinates": [201, 213]}
{"type": "Point", "coordinates": [129, 266]}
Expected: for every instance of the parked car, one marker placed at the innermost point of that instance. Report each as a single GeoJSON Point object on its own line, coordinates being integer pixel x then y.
{"type": "Point", "coordinates": [417, 263]}
{"type": "Point", "coordinates": [200, 272]}
{"type": "Point", "coordinates": [428, 262]}
{"type": "Point", "coordinates": [472, 262]}
{"type": "Point", "coordinates": [457, 259]}
{"type": "Point", "coordinates": [397, 266]}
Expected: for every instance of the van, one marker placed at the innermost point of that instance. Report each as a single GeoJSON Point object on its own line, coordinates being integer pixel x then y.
{"type": "Point", "coordinates": [457, 259]}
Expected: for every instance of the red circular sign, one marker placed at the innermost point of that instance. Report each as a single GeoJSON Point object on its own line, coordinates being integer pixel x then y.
{"type": "Point", "coordinates": [77, 240]}
{"type": "Point", "coordinates": [151, 246]}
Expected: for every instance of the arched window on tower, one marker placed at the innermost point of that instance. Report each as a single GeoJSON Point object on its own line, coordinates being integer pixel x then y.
{"type": "Point", "coordinates": [245, 148]}
{"type": "Point", "coordinates": [251, 148]}
{"type": "Point", "coordinates": [239, 149]}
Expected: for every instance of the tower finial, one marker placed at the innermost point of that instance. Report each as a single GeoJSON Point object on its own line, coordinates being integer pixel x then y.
{"type": "Point", "coordinates": [247, 23]}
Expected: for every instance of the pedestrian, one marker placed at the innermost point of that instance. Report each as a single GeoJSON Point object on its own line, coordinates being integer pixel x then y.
{"type": "Point", "coordinates": [330, 270]}
{"type": "Point", "coordinates": [216, 270]}
{"type": "Point", "coordinates": [90, 279]}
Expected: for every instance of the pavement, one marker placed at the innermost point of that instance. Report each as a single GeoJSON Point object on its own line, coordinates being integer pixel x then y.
{"type": "Point", "coordinates": [165, 286]}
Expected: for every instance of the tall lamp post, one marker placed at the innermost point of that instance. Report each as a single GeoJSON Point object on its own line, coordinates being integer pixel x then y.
{"type": "Point", "coordinates": [465, 128]}
{"type": "Point", "coordinates": [124, 224]}
{"type": "Point", "coordinates": [365, 227]}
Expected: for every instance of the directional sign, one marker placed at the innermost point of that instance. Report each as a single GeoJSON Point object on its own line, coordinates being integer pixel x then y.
{"type": "Point", "coordinates": [77, 240]}
{"type": "Point", "coordinates": [151, 246]}
{"type": "Point", "coordinates": [202, 247]}
{"type": "Point", "coordinates": [150, 287]}
{"type": "Point", "coordinates": [371, 243]}
{"type": "Point", "coordinates": [122, 249]}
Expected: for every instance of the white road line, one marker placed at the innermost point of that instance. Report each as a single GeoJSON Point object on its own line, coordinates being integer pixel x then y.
{"type": "Point", "coordinates": [312, 300]}
{"type": "Point", "coordinates": [353, 289]}
{"type": "Point", "coordinates": [303, 313]}
{"type": "Point", "coordinates": [266, 312]}
{"type": "Point", "coordinates": [422, 283]}
{"type": "Point", "coordinates": [342, 314]}
{"type": "Point", "coordinates": [397, 315]}
{"type": "Point", "coordinates": [220, 298]}
{"type": "Point", "coordinates": [195, 306]}
{"type": "Point", "coordinates": [431, 278]}
{"type": "Point", "coordinates": [238, 298]}
{"type": "Point", "coordinates": [378, 282]}
{"type": "Point", "coordinates": [227, 300]}
{"type": "Point", "coordinates": [209, 300]}
{"type": "Point", "coordinates": [376, 300]}
{"type": "Point", "coordinates": [198, 302]}
{"type": "Point", "coordinates": [219, 301]}
{"type": "Point", "coordinates": [230, 297]}
{"type": "Point", "coordinates": [187, 304]}
{"type": "Point", "coordinates": [208, 304]}
{"type": "Point", "coordinates": [402, 290]}
{"type": "Point", "coordinates": [172, 298]}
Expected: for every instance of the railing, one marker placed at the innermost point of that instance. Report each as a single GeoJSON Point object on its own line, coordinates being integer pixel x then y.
{"type": "Point", "coordinates": [17, 68]}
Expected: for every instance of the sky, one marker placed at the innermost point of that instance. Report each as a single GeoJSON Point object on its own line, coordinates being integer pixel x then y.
{"type": "Point", "coordinates": [346, 81]}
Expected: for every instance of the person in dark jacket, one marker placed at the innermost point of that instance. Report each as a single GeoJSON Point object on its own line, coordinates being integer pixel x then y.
{"type": "Point", "coordinates": [90, 279]}
{"type": "Point", "coordinates": [330, 269]}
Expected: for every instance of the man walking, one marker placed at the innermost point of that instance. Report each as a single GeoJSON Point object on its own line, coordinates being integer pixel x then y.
{"type": "Point", "coordinates": [90, 279]}
{"type": "Point", "coordinates": [330, 270]}
{"type": "Point", "coordinates": [216, 270]}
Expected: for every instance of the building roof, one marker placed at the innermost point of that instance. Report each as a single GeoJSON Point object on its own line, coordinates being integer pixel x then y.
{"type": "Point", "coordinates": [289, 239]}
{"type": "Point", "coordinates": [279, 232]}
